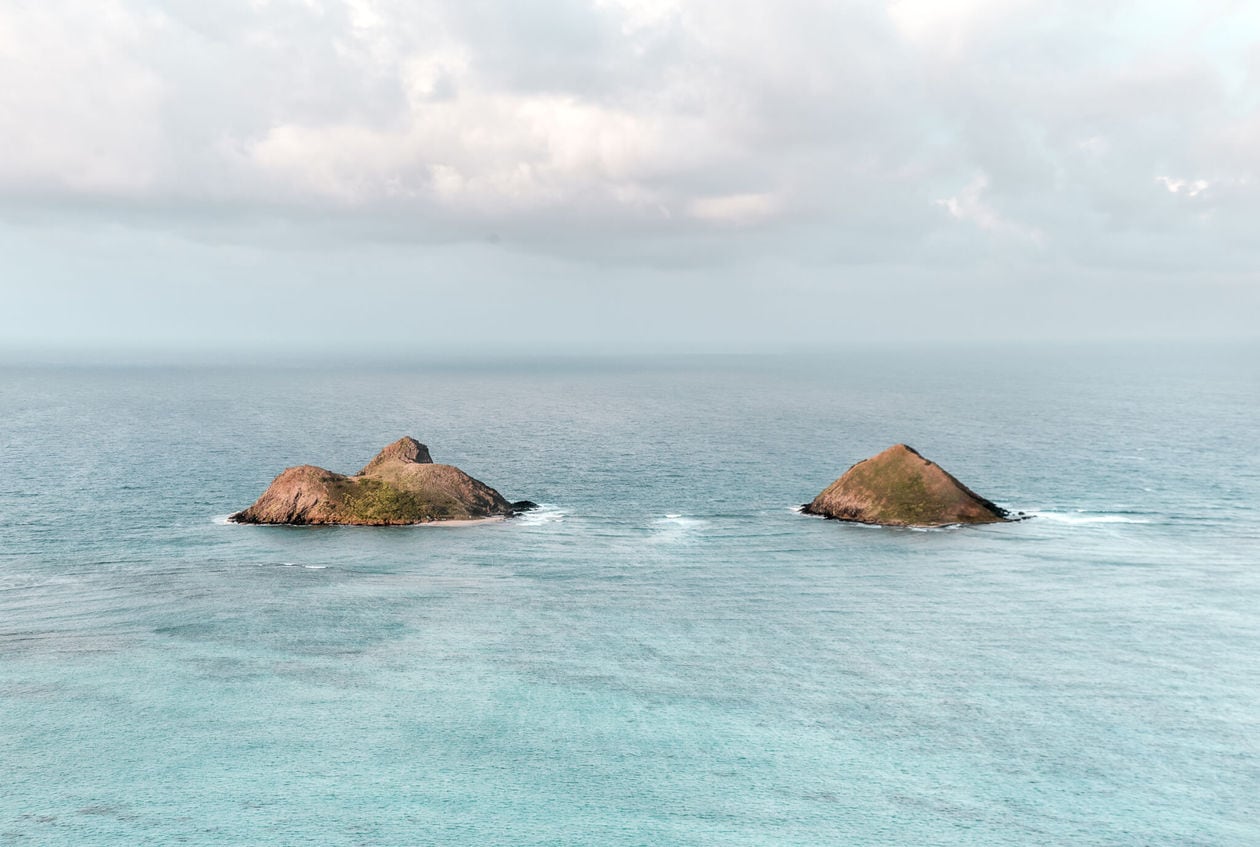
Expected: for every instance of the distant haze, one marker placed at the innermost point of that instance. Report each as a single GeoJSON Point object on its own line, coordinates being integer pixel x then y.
{"type": "Point", "coordinates": [409, 175]}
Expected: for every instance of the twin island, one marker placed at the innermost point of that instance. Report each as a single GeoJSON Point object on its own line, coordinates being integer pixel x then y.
{"type": "Point", "coordinates": [403, 485]}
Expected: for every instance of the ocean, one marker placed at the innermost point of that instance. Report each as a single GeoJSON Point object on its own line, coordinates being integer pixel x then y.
{"type": "Point", "coordinates": [665, 653]}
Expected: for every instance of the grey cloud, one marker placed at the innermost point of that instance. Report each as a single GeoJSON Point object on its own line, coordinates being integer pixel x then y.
{"type": "Point", "coordinates": [799, 145]}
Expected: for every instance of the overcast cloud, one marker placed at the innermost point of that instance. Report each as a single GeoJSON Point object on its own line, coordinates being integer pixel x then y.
{"type": "Point", "coordinates": [626, 172]}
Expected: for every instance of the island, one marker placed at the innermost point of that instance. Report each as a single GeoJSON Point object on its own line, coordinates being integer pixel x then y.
{"type": "Point", "coordinates": [899, 487]}
{"type": "Point", "coordinates": [402, 485]}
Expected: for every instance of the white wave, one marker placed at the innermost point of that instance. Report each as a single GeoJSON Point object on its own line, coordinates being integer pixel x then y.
{"type": "Point", "coordinates": [1082, 517]}
{"type": "Point", "coordinates": [221, 520]}
{"type": "Point", "coordinates": [680, 520]}
{"type": "Point", "coordinates": [674, 528]}
{"type": "Point", "coordinates": [545, 513]}
{"type": "Point", "coordinates": [315, 567]}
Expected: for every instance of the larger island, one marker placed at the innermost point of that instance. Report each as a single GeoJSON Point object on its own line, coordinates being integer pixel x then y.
{"type": "Point", "coordinates": [402, 485]}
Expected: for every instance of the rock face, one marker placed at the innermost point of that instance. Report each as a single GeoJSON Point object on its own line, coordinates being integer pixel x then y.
{"type": "Point", "coordinates": [901, 488]}
{"type": "Point", "coordinates": [401, 485]}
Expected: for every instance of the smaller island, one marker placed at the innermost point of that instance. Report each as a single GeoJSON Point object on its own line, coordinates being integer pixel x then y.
{"type": "Point", "coordinates": [899, 487]}
{"type": "Point", "coordinates": [402, 485]}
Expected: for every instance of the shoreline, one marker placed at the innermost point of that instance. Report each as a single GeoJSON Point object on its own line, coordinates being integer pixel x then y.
{"type": "Point", "coordinates": [227, 521]}
{"type": "Point", "coordinates": [455, 522]}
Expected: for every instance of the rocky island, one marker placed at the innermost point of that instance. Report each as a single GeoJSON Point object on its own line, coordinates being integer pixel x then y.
{"type": "Point", "coordinates": [402, 485]}
{"type": "Point", "coordinates": [899, 487]}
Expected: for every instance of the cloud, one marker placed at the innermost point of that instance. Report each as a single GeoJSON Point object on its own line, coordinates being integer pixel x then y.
{"type": "Point", "coordinates": [1188, 187]}
{"type": "Point", "coordinates": [482, 153]}
{"type": "Point", "coordinates": [633, 130]}
{"type": "Point", "coordinates": [79, 105]}
{"type": "Point", "coordinates": [946, 28]}
{"type": "Point", "coordinates": [970, 205]}
{"type": "Point", "coordinates": [734, 208]}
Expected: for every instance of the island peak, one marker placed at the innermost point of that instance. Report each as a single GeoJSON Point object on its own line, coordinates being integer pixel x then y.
{"type": "Point", "coordinates": [405, 449]}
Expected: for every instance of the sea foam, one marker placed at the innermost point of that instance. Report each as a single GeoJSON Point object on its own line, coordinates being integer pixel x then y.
{"type": "Point", "coordinates": [1083, 517]}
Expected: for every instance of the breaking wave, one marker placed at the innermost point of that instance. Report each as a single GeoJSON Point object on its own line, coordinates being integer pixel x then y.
{"type": "Point", "coordinates": [1082, 517]}
{"type": "Point", "coordinates": [544, 514]}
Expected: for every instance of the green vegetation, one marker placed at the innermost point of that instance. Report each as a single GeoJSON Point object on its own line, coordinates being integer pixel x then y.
{"type": "Point", "coordinates": [373, 501]}
{"type": "Point", "coordinates": [402, 487]}
{"type": "Point", "coordinates": [899, 487]}
{"type": "Point", "coordinates": [901, 493]}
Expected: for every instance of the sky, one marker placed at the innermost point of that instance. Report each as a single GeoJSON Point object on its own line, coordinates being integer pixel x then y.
{"type": "Point", "coordinates": [394, 176]}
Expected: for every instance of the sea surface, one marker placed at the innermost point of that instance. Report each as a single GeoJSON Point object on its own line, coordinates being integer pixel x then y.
{"type": "Point", "coordinates": [666, 653]}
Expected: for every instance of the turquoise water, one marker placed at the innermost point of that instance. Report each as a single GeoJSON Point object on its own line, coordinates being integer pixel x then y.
{"type": "Point", "coordinates": [666, 653]}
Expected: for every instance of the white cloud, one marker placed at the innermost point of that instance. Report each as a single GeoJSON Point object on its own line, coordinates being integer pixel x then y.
{"type": "Point", "coordinates": [79, 108]}
{"type": "Point", "coordinates": [784, 144]}
{"type": "Point", "coordinates": [1184, 187]}
{"type": "Point", "coordinates": [608, 117]}
{"type": "Point", "coordinates": [483, 152]}
{"type": "Point", "coordinates": [946, 26]}
{"type": "Point", "coordinates": [734, 208]}
{"type": "Point", "coordinates": [638, 15]}
{"type": "Point", "coordinates": [1095, 145]}
{"type": "Point", "coordinates": [970, 205]}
